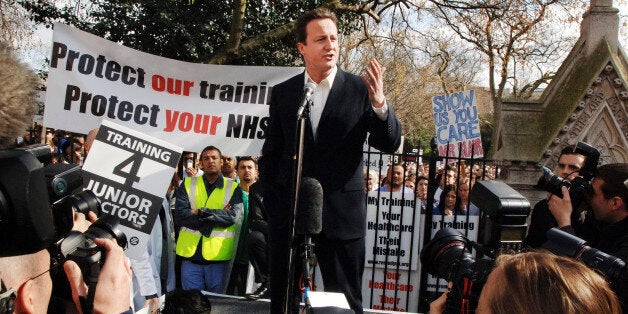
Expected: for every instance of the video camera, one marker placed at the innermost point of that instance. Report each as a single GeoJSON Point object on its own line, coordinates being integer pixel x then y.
{"type": "Point", "coordinates": [37, 206]}
{"type": "Point", "coordinates": [578, 187]}
{"type": "Point", "coordinates": [449, 254]}
{"type": "Point", "coordinates": [37, 203]}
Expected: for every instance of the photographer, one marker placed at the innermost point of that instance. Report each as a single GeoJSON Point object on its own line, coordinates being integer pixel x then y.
{"type": "Point", "coordinates": [571, 161]}
{"type": "Point", "coordinates": [26, 222]}
{"type": "Point", "coordinates": [29, 276]}
{"type": "Point", "coordinates": [608, 196]}
{"type": "Point", "coordinates": [540, 282]}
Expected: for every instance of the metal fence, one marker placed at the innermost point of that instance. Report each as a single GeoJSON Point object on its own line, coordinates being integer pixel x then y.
{"type": "Point", "coordinates": [399, 224]}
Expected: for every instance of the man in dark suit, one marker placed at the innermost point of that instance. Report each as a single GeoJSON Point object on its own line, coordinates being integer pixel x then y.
{"type": "Point", "coordinates": [345, 107]}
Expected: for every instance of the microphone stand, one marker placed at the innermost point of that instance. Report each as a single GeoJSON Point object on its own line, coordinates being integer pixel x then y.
{"type": "Point", "coordinates": [302, 117]}
{"type": "Point", "coordinates": [308, 253]}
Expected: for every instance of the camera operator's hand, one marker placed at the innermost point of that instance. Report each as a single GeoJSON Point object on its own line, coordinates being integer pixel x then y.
{"type": "Point", "coordinates": [438, 306]}
{"type": "Point", "coordinates": [114, 281]}
{"type": "Point", "coordinates": [81, 223]}
{"type": "Point", "coordinates": [561, 208]}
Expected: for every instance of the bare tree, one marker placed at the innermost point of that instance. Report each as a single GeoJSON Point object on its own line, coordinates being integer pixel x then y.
{"type": "Point", "coordinates": [416, 68]}
{"type": "Point", "coordinates": [505, 31]}
{"type": "Point", "coordinates": [372, 10]}
{"type": "Point", "coordinates": [456, 63]}
{"type": "Point", "coordinates": [15, 27]}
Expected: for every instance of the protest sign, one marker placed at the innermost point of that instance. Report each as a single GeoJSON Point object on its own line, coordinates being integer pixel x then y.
{"type": "Point", "coordinates": [392, 290]}
{"type": "Point", "coordinates": [392, 240]}
{"type": "Point", "coordinates": [130, 172]}
{"type": "Point", "coordinates": [457, 125]}
{"type": "Point", "coordinates": [193, 105]}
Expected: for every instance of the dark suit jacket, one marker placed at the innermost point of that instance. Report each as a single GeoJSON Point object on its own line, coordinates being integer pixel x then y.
{"type": "Point", "coordinates": [258, 220]}
{"type": "Point", "coordinates": [334, 158]}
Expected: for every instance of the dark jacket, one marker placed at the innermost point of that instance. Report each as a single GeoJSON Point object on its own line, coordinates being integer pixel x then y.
{"type": "Point", "coordinates": [334, 158]}
{"type": "Point", "coordinates": [542, 221]}
{"type": "Point", "coordinates": [258, 219]}
{"type": "Point", "coordinates": [612, 239]}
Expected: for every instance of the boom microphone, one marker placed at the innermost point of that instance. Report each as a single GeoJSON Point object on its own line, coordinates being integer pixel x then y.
{"type": "Point", "coordinates": [308, 90]}
{"type": "Point", "coordinates": [310, 208]}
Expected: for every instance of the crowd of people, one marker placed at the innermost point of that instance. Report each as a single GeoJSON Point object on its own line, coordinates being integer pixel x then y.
{"type": "Point", "coordinates": [223, 229]}
{"type": "Point", "coordinates": [222, 213]}
{"type": "Point", "coordinates": [451, 197]}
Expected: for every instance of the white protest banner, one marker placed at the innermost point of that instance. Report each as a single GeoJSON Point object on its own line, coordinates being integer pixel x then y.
{"type": "Point", "coordinates": [392, 290]}
{"type": "Point", "coordinates": [467, 225]}
{"type": "Point", "coordinates": [192, 105]}
{"type": "Point", "coordinates": [457, 125]}
{"type": "Point", "coordinates": [129, 172]}
{"type": "Point", "coordinates": [392, 241]}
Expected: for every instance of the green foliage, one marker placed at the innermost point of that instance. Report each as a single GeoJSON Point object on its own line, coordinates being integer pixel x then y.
{"type": "Point", "coordinates": [486, 130]}
{"type": "Point", "coordinates": [421, 139]}
{"type": "Point", "coordinates": [190, 31]}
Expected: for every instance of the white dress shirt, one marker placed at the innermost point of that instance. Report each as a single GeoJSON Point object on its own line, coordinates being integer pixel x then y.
{"type": "Point", "coordinates": [320, 95]}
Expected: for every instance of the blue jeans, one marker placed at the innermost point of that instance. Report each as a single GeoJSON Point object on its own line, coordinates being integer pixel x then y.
{"type": "Point", "coordinates": [203, 277]}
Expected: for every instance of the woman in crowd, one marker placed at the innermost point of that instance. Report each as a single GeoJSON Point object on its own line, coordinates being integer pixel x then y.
{"type": "Point", "coordinates": [466, 207]}
{"type": "Point", "coordinates": [540, 282]}
{"type": "Point", "coordinates": [449, 203]}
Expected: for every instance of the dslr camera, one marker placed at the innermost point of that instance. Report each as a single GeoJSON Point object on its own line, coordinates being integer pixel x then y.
{"type": "Point", "coordinates": [469, 274]}
{"type": "Point", "coordinates": [37, 206]}
{"type": "Point", "coordinates": [578, 187]}
{"type": "Point", "coordinates": [449, 254]}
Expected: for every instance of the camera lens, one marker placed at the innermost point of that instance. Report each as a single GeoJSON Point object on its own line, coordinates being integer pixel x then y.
{"type": "Point", "coordinates": [562, 243]}
{"type": "Point", "coordinates": [81, 248]}
{"type": "Point", "coordinates": [107, 227]}
{"type": "Point", "coordinates": [86, 201]}
{"type": "Point", "coordinates": [448, 256]}
{"type": "Point", "coordinates": [552, 183]}
{"type": "Point", "coordinates": [447, 245]}
{"type": "Point", "coordinates": [612, 267]}
{"type": "Point", "coordinates": [63, 215]}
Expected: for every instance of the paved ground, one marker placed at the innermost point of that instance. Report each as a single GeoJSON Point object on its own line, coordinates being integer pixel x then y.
{"type": "Point", "coordinates": [239, 305]}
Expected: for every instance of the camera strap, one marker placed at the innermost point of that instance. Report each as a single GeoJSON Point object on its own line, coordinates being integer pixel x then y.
{"type": "Point", "coordinates": [87, 303]}
{"type": "Point", "coordinates": [7, 299]}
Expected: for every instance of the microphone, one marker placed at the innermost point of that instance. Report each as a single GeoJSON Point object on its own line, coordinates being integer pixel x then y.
{"type": "Point", "coordinates": [308, 90]}
{"type": "Point", "coordinates": [310, 207]}
{"type": "Point", "coordinates": [17, 96]}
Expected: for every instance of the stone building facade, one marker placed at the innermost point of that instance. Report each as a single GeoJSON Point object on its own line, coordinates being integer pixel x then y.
{"type": "Point", "coordinates": [586, 101]}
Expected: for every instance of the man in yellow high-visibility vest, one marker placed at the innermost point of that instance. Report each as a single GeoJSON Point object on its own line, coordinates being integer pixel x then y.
{"type": "Point", "coordinates": [208, 209]}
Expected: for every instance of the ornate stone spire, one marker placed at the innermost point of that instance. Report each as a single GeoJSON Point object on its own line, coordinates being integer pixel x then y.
{"type": "Point", "coordinates": [600, 22]}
